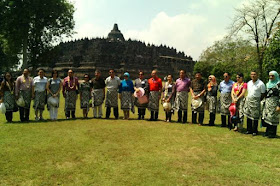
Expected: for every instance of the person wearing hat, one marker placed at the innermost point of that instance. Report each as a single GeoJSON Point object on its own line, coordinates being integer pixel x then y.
{"type": "Point", "coordinates": [271, 111]}
{"type": "Point", "coordinates": [211, 98]}
{"type": "Point", "coordinates": [155, 87]}
{"type": "Point", "coordinates": [7, 94]}
{"type": "Point", "coordinates": [168, 97]}
{"type": "Point", "coordinates": [181, 90]}
{"type": "Point", "coordinates": [40, 83]}
{"type": "Point", "coordinates": [126, 91]}
{"type": "Point", "coordinates": [53, 88]}
{"type": "Point", "coordinates": [225, 99]}
{"type": "Point", "coordinates": [141, 82]}
{"type": "Point", "coordinates": [112, 82]}
{"type": "Point", "coordinates": [70, 92]}
{"type": "Point", "coordinates": [24, 90]}
{"type": "Point", "coordinates": [237, 95]}
{"type": "Point", "coordinates": [98, 94]}
{"type": "Point", "coordinates": [197, 90]}
{"type": "Point", "coordinates": [85, 95]}
{"type": "Point", "coordinates": [252, 106]}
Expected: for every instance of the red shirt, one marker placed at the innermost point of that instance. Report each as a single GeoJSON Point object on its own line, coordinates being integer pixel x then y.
{"type": "Point", "coordinates": [238, 89]}
{"type": "Point", "coordinates": [155, 84]}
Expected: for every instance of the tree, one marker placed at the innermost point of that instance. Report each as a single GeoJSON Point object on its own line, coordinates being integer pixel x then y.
{"type": "Point", "coordinates": [32, 27]}
{"type": "Point", "coordinates": [272, 54]}
{"type": "Point", "coordinates": [227, 55]}
{"type": "Point", "coordinates": [258, 20]}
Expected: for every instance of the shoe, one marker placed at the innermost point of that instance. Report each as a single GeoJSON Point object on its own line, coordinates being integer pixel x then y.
{"type": "Point", "coordinates": [67, 118]}
{"type": "Point", "coordinates": [235, 129]}
{"type": "Point", "coordinates": [41, 119]}
{"type": "Point", "coordinates": [248, 132]}
{"type": "Point", "coordinates": [37, 118]}
{"type": "Point", "coordinates": [139, 117]}
{"type": "Point", "coordinates": [254, 134]}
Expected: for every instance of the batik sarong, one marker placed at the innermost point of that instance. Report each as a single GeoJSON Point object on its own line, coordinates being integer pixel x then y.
{"type": "Point", "coordinates": [26, 95]}
{"type": "Point", "coordinates": [225, 99]}
{"type": "Point", "coordinates": [181, 101]}
{"type": "Point", "coordinates": [201, 108]}
{"type": "Point", "coordinates": [70, 101]}
{"type": "Point", "coordinates": [154, 101]}
{"type": "Point", "coordinates": [252, 108]}
{"type": "Point", "coordinates": [97, 97]}
{"type": "Point", "coordinates": [9, 101]}
{"type": "Point", "coordinates": [39, 100]}
{"type": "Point", "coordinates": [85, 98]}
{"type": "Point", "coordinates": [211, 103]}
{"type": "Point", "coordinates": [270, 115]}
{"type": "Point", "coordinates": [111, 98]}
{"type": "Point", "coordinates": [126, 100]}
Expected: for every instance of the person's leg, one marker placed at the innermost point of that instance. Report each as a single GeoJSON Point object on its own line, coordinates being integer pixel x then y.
{"type": "Point", "coordinates": [179, 116]}
{"type": "Point", "coordinates": [67, 114]}
{"type": "Point", "coordinates": [166, 116]}
{"type": "Point", "coordinates": [152, 116]}
{"type": "Point", "coordinates": [223, 119]}
{"type": "Point", "coordinates": [26, 113]}
{"type": "Point", "coordinates": [201, 118]}
{"type": "Point", "coordinates": [194, 117]}
{"type": "Point", "coordinates": [100, 111]}
{"type": "Point", "coordinates": [51, 111]}
{"type": "Point", "coordinates": [249, 126]}
{"type": "Point", "coordinates": [128, 114]}
{"type": "Point", "coordinates": [229, 122]}
{"type": "Point", "coordinates": [143, 113]}
{"type": "Point", "coordinates": [212, 119]}
{"type": "Point", "coordinates": [36, 115]}
{"type": "Point", "coordinates": [272, 131]}
{"type": "Point", "coordinates": [21, 114]}
{"type": "Point", "coordinates": [41, 114]}
{"type": "Point", "coordinates": [116, 112]}
{"type": "Point", "coordinates": [9, 116]}
{"type": "Point", "coordinates": [255, 127]}
{"type": "Point", "coordinates": [139, 113]}
{"type": "Point", "coordinates": [95, 111]}
{"type": "Point", "coordinates": [108, 112]}
{"type": "Point", "coordinates": [185, 117]}
{"type": "Point", "coordinates": [156, 115]}
{"type": "Point", "coordinates": [73, 114]}
{"type": "Point", "coordinates": [170, 116]}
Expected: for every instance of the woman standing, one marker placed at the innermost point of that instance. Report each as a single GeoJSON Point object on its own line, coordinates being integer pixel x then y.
{"type": "Point", "coordinates": [53, 87]}
{"type": "Point", "coordinates": [126, 91]}
{"type": "Point", "coordinates": [270, 115]}
{"type": "Point", "coordinates": [141, 82]}
{"type": "Point", "coordinates": [167, 96]}
{"type": "Point", "coordinates": [237, 95]}
{"type": "Point", "coordinates": [7, 92]}
{"type": "Point", "coordinates": [211, 98]}
{"type": "Point", "coordinates": [85, 95]}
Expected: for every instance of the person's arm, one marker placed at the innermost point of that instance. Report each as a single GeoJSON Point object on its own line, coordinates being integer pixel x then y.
{"type": "Point", "coordinates": [120, 91]}
{"type": "Point", "coordinates": [263, 90]}
{"type": "Point", "coordinates": [278, 107]}
{"type": "Point", "coordinates": [2, 92]}
{"type": "Point", "coordinates": [242, 93]}
{"type": "Point", "coordinates": [48, 88]}
{"type": "Point", "coordinates": [63, 88]}
{"type": "Point", "coordinates": [162, 93]}
{"type": "Point", "coordinates": [32, 83]}
{"type": "Point", "coordinates": [17, 88]}
{"type": "Point", "coordinates": [160, 88]}
{"type": "Point", "coordinates": [59, 89]}
{"type": "Point", "coordinates": [232, 95]}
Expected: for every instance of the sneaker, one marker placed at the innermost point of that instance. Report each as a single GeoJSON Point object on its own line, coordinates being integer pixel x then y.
{"type": "Point", "coordinates": [254, 134]}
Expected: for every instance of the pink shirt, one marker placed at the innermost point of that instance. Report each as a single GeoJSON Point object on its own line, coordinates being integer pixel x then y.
{"type": "Point", "coordinates": [183, 85]}
{"type": "Point", "coordinates": [70, 84]}
{"type": "Point", "coordinates": [23, 83]}
{"type": "Point", "coordinates": [237, 89]}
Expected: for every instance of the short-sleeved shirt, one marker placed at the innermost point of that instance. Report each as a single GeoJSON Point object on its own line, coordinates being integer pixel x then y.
{"type": "Point", "coordinates": [256, 89]}
{"type": "Point", "coordinates": [141, 83]}
{"type": "Point", "coordinates": [40, 83]}
{"type": "Point", "coordinates": [198, 85]}
{"type": "Point", "coordinates": [98, 83]}
{"type": "Point", "coordinates": [112, 83]}
{"type": "Point", "coordinates": [54, 85]}
{"type": "Point", "coordinates": [155, 84]}
{"type": "Point", "coordinates": [237, 89]}
{"type": "Point", "coordinates": [183, 85]}
{"type": "Point", "coordinates": [23, 83]}
{"type": "Point", "coordinates": [225, 87]}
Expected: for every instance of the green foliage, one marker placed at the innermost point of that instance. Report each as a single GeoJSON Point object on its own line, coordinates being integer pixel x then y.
{"type": "Point", "coordinates": [272, 55]}
{"type": "Point", "coordinates": [31, 27]}
{"type": "Point", "coordinates": [228, 56]}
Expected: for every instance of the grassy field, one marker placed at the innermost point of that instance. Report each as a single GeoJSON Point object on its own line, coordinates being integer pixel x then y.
{"type": "Point", "coordinates": [118, 152]}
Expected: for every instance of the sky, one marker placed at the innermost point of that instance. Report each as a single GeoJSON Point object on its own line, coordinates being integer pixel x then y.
{"type": "Point", "coordinates": [187, 25]}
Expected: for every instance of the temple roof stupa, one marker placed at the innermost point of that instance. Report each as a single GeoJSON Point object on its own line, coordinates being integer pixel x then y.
{"type": "Point", "coordinates": [115, 34]}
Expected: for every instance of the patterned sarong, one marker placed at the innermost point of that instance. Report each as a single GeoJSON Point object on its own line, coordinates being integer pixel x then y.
{"type": "Point", "coordinates": [70, 101]}
{"type": "Point", "coordinates": [127, 100]}
{"type": "Point", "coordinates": [153, 104]}
{"type": "Point", "coordinates": [270, 115]}
{"type": "Point", "coordinates": [97, 97]}
{"type": "Point", "coordinates": [181, 101]}
{"type": "Point", "coordinates": [9, 101]}
{"type": "Point", "coordinates": [211, 103]}
{"type": "Point", "coordinates": [26, 95]}
{"type": "Point", "coordinates": [39, 100]}
{"type": "Point", "coordinates": [252, 108]}
{"type": "Point", "coordinates": [85, 97]}
{"type": "Point", "coordinates": [201, 108]}
{"type": "Point", "coordinates": [111, 98]}
{"type": "Point", "coordinates": [225, 99]}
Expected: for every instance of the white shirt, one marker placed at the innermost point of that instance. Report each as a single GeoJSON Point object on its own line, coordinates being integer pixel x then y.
{"type": "Point", "coordinates": [40, 84]}
{"type": "Point", "coordinates": [113, 83]}
{"type": "Point", "coordinates": [255, 89]}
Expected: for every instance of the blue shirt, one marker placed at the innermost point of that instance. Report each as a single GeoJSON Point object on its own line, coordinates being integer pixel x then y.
{"type": "Point", "coordinates": [126, 85]}
{"type": "Point", "coordinates": [226, 87]}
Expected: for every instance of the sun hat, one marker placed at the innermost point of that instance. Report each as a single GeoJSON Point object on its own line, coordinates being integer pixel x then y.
{"type": "Point", "coordinates": [2, 108]}
{"type": "Point", "coordinates": [196, 103]}
{"type": "Point", "coordinates": [53, 101]}
{"type": "Point", "coordinates": [166, 105]}
{"type": "Point", "coordinates": [20, 102]}
{"type": "Point", "coordinates": [139, 92]}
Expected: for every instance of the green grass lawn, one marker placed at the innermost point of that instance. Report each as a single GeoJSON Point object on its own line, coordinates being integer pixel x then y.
{"type": "Point", "coordinates": [118, 152]}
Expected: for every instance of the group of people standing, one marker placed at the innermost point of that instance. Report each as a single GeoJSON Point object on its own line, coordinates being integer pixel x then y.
{"type": "Point", "coordinates": [261, 100]}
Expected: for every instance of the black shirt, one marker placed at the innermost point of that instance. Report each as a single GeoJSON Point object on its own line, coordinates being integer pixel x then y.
{"type": "Point", "coordinates": [97, 83]}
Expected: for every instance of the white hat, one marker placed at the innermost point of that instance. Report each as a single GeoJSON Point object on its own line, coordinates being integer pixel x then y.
{"type": "Point", "coordinates": [53, 101]}
{"type": "Point", "coordinates": [2, 108]}
{"type": "Point", "coordinates": [20, 102]}
{"type": "Point", "coordinates": [196, 103]}
{"type": "Point", "coordinates": [166, 105]}
{"type": "Point", "coordinates": [139, 92]}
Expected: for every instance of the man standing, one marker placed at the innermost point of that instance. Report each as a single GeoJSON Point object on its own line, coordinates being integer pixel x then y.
{"type": "Point", "coordinates": [70, 91]}
{"type": "Point", "coordinates": [155, 88]}
{"type": "Point", "coordinates": [23, 90]}
{"type": "Point", "coordinates": [197, 90]}
{"type": "Point", "coordinates": [225, 99]}
{"type": "Point", "coordinates": [256, 92]}
{"type": "Point", "coordinates": [98, 94]}
{"type": "Point", "coordinates": [182, 88]}
{"type": "Point", "coordinates": [39, 87]}
{"type": "Point", "coordinates": [112, 82]}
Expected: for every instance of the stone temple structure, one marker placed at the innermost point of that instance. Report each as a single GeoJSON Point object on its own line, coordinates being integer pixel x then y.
{"type": "Point", "coordinates": [114, 52]}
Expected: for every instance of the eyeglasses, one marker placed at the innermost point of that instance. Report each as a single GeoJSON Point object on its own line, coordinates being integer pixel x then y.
{"type": "Point", "coordinates": [225, 76]}
{"type": "Point", "coordinates": [111, 72]}
{"type": "Point", "coordinates": [271, 75]}
{"type": "Point", "coordinates": [237, 77]}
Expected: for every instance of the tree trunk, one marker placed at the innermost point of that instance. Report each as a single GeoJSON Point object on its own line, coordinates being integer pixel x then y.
{"type": "Point", "coordinates": [24, 54]}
